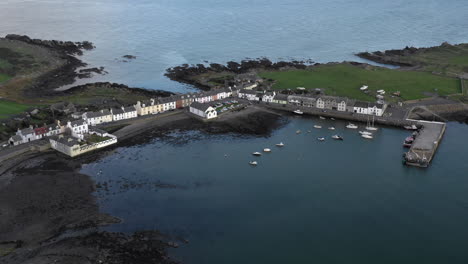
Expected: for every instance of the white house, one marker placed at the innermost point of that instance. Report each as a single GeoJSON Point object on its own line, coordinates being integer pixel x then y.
{"type": "Point", "coordinates": [320, 103]}
{"type": "Point", "coordinates": [168, 103]}
{"type": "Point", "coordinates": [78, 126]}
{"type": "Point", "coordinates": [23, 136]}
{"type": "Point", "coordinates": [361, 107]}
{"type": "Point", "coordinates": [268, 97]}
{"type": "Point", "coordinates": [224, 93]}
{"type": "Point", "coordinates": [204, 110]}
{"type": "Point", "coordinates": [96, 118]}
{"type": "Point", "coordinates": [54, 129]}
{"type": "Point", "coordinates": [249, 95]}
{"type": "Point", "coordinates": [280, 99]}
{"type": "Point", "coordinates": [341, 105]}
{"type": "Point", "coordinates": [123, 113]}
{"type": "Point", "coordinates": [146, 107]}
{"type": "Point", "coordinates": [376, 109]}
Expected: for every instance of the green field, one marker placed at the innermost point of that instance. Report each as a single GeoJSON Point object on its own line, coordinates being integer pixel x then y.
{"type": "Point", "coordinates": [11, 108]}
{"type": "Point", "coordinates": [4, 77]}
{"type": "Point", "coordinates": [345, 80]}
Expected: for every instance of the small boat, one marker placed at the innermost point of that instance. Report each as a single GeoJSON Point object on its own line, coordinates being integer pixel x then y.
{"type": "Point", "coordinates": [337, 137]}
{"type": "Point", "coordinates": [298, 132]}
{"type": "Point", "coordinates": [381, 91]}
{"type": "Point", "coordinates": [253, 163]}
{"type": "Point", "coordinates": [407, 145]}
{"type": "Point", "coordinates": [317, 126]}
{"type": "Point", "coordinates": [370, 126]}
{"type": "Point", "coordinates": [280, 144]}
{"type": "Point", "coordinates": [331, 128]}
{"type": "Point", "coordinates": [365, 133]}
{"type": "Point", "coordinates": [299, 112]}
{"type": "Point", "coordinates": [309, 131]}
{"type": "Point", "coordinates": [367, 136]}
{"type": "Point", "coordinates": [321, 139]}
{"type": "Point", "coordinates": [409, 139]}
{"type": "Point", "coordinates": [332, 118]}
{"type": "Point", "coordinates": [364, 87]}
{"type": "Point", "coordinates": [257, 153]}
{"type": "Point", "coordinates": [412, 127]}
{"type": "Point", "coordinates": [321, 117]}
{"type": "Point", "coordinates": [266, 150]}
{"type": "Point", "coordinates": [351, 126]}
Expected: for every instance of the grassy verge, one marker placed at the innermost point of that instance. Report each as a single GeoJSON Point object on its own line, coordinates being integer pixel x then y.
{"type": "Point", "coordinates": [4, 77]}
{"type": "Point", "coordinates": [8, 108]}
{"type": "Point", "coordinates": [345, 80]}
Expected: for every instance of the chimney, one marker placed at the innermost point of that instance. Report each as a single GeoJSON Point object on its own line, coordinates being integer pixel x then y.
{"type": "Point", "coordinates": [123, 108]}
{"type": "Point", "coordinates": [102, 111]}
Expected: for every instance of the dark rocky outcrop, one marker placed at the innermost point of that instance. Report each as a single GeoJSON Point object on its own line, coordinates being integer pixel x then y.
{"type": "Point", "coordinates": [69, 47]}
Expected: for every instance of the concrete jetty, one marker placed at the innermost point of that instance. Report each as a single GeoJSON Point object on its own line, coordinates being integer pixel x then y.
{"type": "Point", "coordinates": [426, 143]}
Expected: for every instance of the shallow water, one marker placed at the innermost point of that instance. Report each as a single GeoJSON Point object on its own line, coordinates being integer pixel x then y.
{"type": "Point", "coordinates": [309, 202]}
{"type": "Point", "coordinates": [167, 33]}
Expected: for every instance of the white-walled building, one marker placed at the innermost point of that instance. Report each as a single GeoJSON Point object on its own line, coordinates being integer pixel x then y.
{"type": "Point", "coordinates": [78, 126]}
{"type": "Point", "coordinates": [148, 107]}
{"type": "Point", "coordinates": [268, 97]}
{"type": "Point", "coordinates": [203, 110]}
{"type": "Point", "coordinates": [249, 95]}
{"type": "Point", "coordinates": [99, 117]}
{"type": "Point", "coordinates": [123, 113]}
{"type": "Point", "coordinates": [376, 109]}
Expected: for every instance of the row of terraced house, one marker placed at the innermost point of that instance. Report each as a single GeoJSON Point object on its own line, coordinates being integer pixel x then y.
{"type": "Point", "coordinates": [323, 102]}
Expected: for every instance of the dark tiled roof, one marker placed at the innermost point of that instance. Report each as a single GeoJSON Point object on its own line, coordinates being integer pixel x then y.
{"type": "Point", "coordinates": [16, 138]}
{"type": "Point", "coordinates": [27, 131]}
{"type": "Point", "coordinates": [380, 106]}
{"type": "Point", "coordinates": [248, 91]}
{"type": "Point", "coordinates": [283, 97]}
{"type": "Point", "coordinates": [97, 114]}
{"type": "Point", "coordinates": [79, 122]}
{"type": "Point", "coordinates": [130, 109]}
{"type": "Point", "coordinates": [200, 106]}
{"type": "Point", "coordinates": [361, 104]}
{"type": "Point", "coordinates": [65, 140]}
{"type": "Point", "coordinates": [117, 111]}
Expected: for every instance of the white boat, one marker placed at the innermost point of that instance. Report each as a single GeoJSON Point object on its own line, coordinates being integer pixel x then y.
{"type": "Point", "coordinates": [266, 150]}
{"type": "Point", "coordinates": [367, 136]}
{"type": "Point", "coordinates": [351, 126]}
{"type": "Point", "coordinates": [299, 112]}
{"type": "Point", "coordinates": [257, 153]}
{"type": "Point", "coordinates": [412, 127]}
{"type": "Point", "coordinates": [321, 117]}
{"type": "Point", "coordinates": [317, 126]}
{"type": "Point", "coordinates": [381, 91]}
{"type": "Point", "coordinates": [371, 127]}
{"type": "Point", "coordinates": [321, 139]}
{"type": "Point", "coordinates": [364, 87]}
{"type": "Point", "coordinates": [298, 132]}
{"type": "Point", "coordinates": [253, 163]}
{"type": "Point", "coordinates": [309, 131]}
{"type": "Point", "coordinates": [331, 128]}
{"type": "Point", "coordinates": [337, 137]}
{"type": "Point", "coordinates": [365, 133]}
{"type": "Point", "coordinates": [332, 118]}
{"type": "Point", "coordinates": [280, 144]}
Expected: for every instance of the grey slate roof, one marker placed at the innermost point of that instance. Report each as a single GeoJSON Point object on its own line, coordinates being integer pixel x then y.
{"type": "Point", "coordinates": [200, 106]}
{"type": "Point", "coordinates": [380, 106]}
{"type": "Point", "coordinates": [27, 131]}
{"type": "Point", "coordinates": [16, 138]}
{"type": "Point", "coordinates": [129, 109]}
{"type": "Point", "coordinates": [66, 140]}
{"type": "Point", "coordinates": [117, 111]}
{"type": "Point", "coordinates": [361, 104]}
{"type": "Point", "coordinates": [282, 97]}
{"type": "Point", "coordinates": [248, 91]}
{"type": "Point", "coordinates": [79, 122]}
{"type": "Point", "coordinates": [97, 114]}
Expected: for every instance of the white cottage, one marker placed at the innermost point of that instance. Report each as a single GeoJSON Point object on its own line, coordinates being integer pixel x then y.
{"type": "Point", "coordinates": [96, 118]}
{"type": "Point", "coordinates": [268, 97]}
{"type": "Point", "coordinates": [249, 95]}
{"type": "Point", "coordinates": [78, 126]}
{"type": "Point", "coordinates": [123, 113]}
{"type": "Point", "coordinates": [204, 110]}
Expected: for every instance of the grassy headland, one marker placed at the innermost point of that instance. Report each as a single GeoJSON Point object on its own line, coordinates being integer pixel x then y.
{"type": "Point", "coordinates": [345, 79]}
{"type": "Point", "coordinates": [8, 108]}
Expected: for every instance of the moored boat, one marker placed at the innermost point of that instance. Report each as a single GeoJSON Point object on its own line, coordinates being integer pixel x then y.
{"type": "Point", "coordinates": [321, 139]}
{"type": "Point", "coordinates": [257, 153]}
{"type": "Point", "coordinates": [299, 112]}
{"type": "Point", "coordinates": [407, 145]}
{"type": "Point", "coordinates": [351, 126]}
{"type": "Point", "coordinates": [331, 128]}
{"type": "Point", "coordinates": [281, 144]}
{"type": "Point", "coordinates": [321, 117]}
{"type": "Point", "coordinates": [337, 137]}
{"type": "Point", "coordinates": [266, 150]}
{"type": "Point", "coordinates": [298, 132]}
{"type": "Point", "coordinates": [365, 133]}
{"type": "Point", "coordinates": [317, 126]}
{"type": "Point", "coordinates": [253, 163]}
{"type": "Point", "coordinates": [367, 136]}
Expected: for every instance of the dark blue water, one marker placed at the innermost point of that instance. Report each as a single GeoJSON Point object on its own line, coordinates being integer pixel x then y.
{"type": "Point", "coordinates": [165, 33]}
{"type": "Point", "coordinates": [309, 202]}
